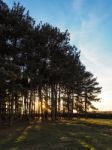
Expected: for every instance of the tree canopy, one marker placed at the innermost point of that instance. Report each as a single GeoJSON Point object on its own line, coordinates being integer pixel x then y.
{"type": "Point", "coordinates": [39, 67]}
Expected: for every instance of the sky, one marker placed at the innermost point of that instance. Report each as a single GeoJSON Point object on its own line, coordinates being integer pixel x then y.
{"type": "Point", "coordinates": [89, 23]}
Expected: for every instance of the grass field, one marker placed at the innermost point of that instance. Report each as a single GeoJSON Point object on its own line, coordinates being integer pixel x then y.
{"type": "Point", "coordinates": [90, 134]}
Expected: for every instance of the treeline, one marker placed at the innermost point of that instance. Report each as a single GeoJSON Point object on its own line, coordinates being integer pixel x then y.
{"type": "Point", "coordinates": [94, 114]}
{"type": "Point", "coordinates": [40, 71]}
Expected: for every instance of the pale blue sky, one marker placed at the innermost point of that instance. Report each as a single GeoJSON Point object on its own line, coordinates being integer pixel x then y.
{"type": "Point", "coordinates": [90, 25]}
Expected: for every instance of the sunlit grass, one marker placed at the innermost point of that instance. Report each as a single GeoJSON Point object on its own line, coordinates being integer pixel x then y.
{"type": "Point", "coordinates": [20, 138]}
{"type": "Point", "coordinates": [85, 145]}
{"type": "Point", "coordinates": [107, 122]}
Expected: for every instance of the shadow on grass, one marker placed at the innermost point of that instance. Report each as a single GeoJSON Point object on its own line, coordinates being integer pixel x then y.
{"type": "Point", "coordinates": [65, 135]}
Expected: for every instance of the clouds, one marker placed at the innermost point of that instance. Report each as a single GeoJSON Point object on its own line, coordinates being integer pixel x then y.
{"type": "Point", "coordinates": [91, 40]}
{"type": "Point", "coordinates": [78, 4]}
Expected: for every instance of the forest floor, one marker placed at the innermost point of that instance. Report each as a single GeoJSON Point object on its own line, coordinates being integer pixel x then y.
{"type": "Point", "coordinates": [90, 134]}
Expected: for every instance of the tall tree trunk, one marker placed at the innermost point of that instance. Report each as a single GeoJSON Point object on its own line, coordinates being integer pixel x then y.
{"type": "Point", "coordinates": [46, 103]}
{"type": "Point", "coordinates": [85, 104]}
{"type": "Point", "coordinates": [30, 102]}
{"type": "Point", "coordinates": [59, 100]}
{"type": "Point", "coordinates": [68, 105]}
{"type": "Point", "coordinates": [26, 106]}
{"type": "Point", "coordinates": [41, 101]}
{"type": "Point", "coordinates": [16, 105]}
{"type": "Point", "coordinates": [11, 115]}
{"type": "Point", "coordinates": [34, 102]}
{"type": "Point", "coordinates": [52, 103]}
{"type": "Point", "coordinates": [55, 101]}
{"type": "Point", "coordinates": [72, 103]}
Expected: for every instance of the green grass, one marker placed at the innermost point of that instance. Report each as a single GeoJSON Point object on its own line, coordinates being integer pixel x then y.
{"type": "Point", "coordinates": [90, 134]}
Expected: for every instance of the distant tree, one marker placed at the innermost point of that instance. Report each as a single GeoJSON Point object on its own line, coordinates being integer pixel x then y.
{"type": "Point", "coordinates": [91, 90]}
